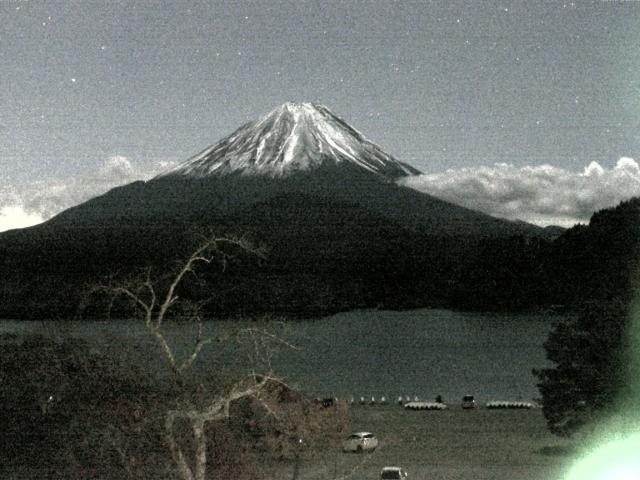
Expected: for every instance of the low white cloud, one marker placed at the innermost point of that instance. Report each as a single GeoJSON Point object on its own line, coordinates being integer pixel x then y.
{"type": "Point", "coordinates": [166, 165]}
{"type": "Point", "coordinates": [14, 216]}
{"type": "Point", "coordinates": [31, 203]}
{"type": "Point", "coordinates": [544, 194]}
{"type": "Point", "coordinates": [116, 167]}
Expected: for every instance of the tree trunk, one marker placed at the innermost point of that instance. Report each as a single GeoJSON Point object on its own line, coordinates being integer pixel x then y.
{"type": "Point", "coordinates": [201, 449]}
{"type": "Point", "coordinates": [176, 452]}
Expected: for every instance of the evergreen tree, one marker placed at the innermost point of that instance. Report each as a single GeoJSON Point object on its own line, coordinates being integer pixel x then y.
{"type": "Point", "coordinates": [589, 373]}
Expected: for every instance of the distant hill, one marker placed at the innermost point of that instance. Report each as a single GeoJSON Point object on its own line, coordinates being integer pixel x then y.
{"type": "Point", "coordinates": [601, 260]}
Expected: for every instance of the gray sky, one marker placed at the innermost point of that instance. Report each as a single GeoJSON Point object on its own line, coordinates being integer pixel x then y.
{"type": "Point", "coordinates": [97, 93]}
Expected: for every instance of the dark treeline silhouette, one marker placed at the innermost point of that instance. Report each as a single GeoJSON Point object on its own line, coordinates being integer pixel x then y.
{"type": "Point", "coordinates": [593, 268]}
{"type": "Point", "coordinates": [326, 258]}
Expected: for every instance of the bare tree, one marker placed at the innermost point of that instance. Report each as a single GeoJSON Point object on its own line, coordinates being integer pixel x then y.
{"type": "Point", "coordinates": [155, 305]}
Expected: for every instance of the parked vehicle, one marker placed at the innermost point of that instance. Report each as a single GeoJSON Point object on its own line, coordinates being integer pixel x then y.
{"type": "Point", "coordinates": [393, 473]}
{"type": "Point", "coordinates": [360, 442]}
{"type": "Point", "coordinates": [468, 401]}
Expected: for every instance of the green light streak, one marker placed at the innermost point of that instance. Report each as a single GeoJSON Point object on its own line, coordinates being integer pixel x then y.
{"type": "Point", "coordinates": [615, 460]}
{"type": "Point", "coordinates": [616, 453]}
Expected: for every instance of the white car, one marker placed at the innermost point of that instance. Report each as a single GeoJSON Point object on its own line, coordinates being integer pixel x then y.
{"type": "Point", "coordinates": [393, 473]}
{"type": "Point", "coordinates": [360, 442]}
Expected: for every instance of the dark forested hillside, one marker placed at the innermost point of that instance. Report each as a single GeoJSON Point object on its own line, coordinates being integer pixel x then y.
{"type": "Point", "coordinates": [598, 261]}
{"type": "Point", "coordinates": [324, 256]}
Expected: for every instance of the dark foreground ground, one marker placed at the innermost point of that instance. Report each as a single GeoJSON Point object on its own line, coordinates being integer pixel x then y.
{"type": "Point", "coordinates": [454, 444]}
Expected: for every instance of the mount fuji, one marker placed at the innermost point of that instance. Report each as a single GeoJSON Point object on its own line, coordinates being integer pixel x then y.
{"type": "Point", "coordinates": [302, 150]}
{"type": "Point", "coordinates": [340, 231]}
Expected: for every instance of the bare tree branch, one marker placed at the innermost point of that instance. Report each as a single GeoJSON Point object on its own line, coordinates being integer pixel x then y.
{"type": "Point", "coordinates": [155, 304]}
{"type": "Point", "coordinates": [146, 298]}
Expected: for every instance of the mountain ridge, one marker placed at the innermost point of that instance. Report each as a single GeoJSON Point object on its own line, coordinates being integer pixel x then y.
{"type": "Point", "coordinates": [295, 148]}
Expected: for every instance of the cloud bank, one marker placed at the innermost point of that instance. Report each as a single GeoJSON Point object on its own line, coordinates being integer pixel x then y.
{"type": "Point", "coordinates": [31, 203]}
{"type": "Point", "coordinates": [544, 195]}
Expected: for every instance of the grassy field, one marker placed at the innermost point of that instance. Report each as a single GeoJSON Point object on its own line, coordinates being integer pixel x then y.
{"type": "Point", "coordinates": [453, 444]}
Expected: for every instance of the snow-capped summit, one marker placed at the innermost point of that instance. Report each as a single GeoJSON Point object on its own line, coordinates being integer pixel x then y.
{"type": "Point", "coordinates": [291, 138]}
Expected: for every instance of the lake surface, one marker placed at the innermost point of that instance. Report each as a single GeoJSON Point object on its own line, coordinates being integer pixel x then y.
{"type": "Point", "coordinates": [363, 353]}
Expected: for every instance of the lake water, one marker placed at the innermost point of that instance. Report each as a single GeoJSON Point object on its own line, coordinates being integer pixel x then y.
{"type": "Point", "coordinates": [365, 353]}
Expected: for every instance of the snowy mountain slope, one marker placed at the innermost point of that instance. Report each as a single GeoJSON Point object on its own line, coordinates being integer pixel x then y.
{"type": "Point", "coordinates": [292, 138]}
